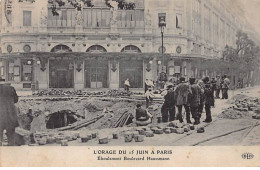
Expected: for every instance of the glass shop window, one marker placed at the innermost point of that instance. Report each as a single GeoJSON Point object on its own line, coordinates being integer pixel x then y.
{"type": "Point", "coordinates": [26, 70]}
{"type": "Point", "coordinates": [11, 71]}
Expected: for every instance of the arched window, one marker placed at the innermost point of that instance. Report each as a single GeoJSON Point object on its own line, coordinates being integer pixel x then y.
{"type": "Point", "coordinates": [131, 49]}
{"type": "Point", "coordinates": [96, 49]}
{"type": "Point", "coordinates": [61, 49]}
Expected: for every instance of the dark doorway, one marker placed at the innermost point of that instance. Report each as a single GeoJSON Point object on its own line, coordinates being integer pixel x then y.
{"type": "Point", "coordinates": [133, 70]}
{"type": "Point", "coordinates": [61, 73]}
{"type": "Point", "coordinates": [60, 119]}
{"type": "Point", "coordinates": [96, 74]}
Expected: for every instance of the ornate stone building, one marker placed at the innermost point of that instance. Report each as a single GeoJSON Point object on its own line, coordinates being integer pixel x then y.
{"type": "Point", "coordinates": [100, 47]}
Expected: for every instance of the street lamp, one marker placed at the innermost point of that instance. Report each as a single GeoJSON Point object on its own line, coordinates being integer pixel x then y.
{"type": "Point", "coordinates": [162, 25]}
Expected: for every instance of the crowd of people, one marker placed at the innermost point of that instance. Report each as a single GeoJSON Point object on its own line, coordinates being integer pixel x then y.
{"type": "Point", "coordinates": [191, 95]}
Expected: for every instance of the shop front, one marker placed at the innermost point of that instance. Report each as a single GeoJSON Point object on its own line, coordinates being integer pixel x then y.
{"type": "Point", "coordinates": [96, 74]}
{"type": "Point", "coordinates": [132, 70]}
{"type": "Point", "coordinates": [61, 73]}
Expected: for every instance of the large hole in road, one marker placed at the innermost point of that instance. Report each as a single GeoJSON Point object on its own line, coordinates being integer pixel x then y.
{"type": "Point", "coordinates": [61, 119]}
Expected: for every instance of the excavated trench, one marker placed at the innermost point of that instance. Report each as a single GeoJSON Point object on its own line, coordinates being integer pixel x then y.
{"type": "Point", "coordinates": [60, 119]}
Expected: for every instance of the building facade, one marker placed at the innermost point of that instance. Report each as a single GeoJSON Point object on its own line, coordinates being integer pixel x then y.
{"type": "Point", "coordinates": [100, 47]}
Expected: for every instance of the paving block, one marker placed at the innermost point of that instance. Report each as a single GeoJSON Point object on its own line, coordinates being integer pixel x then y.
{"type": "Point", "coordinates": [135, 133]}
{"type": "Point", "coordinates": [179, 125]}
{"type": "Point", "coordinates": [173, 130]}
{"type": "Point", "coordinates": [167, 131]}
{"type": "Point", "coordinates": [94, 135]}
{"type": "Point", "coordinates": [58, 139]}
{"type": "Point", "coordinates": [201, 130]}
{"type": "Point", "coordinates": [51, 140]}
{"type": "Point", "coordinates": [115, 136]}
{"type": "Point", "coordinates": [179, 130]}
{"type": "Point", "coordinates": [186, 128]}
{"type": "Point", "coordinates": [103, 140]}
{"type": "Point", "coordinates": [149, 134]}
{"type": "Point", "coordinates": [141, 132]}
{"type": "Point", "coordinates": [192, 127]}
{"type": "Point", "coordinates": [64, 143]}
{"type": "Point", "coordinates": [139, 138]}
{"type": "Point", "coordinates": [154, 129]}
{"type": "Point", "coordinates": [84, 139]}
{"type": "Point", "coordinates": [256, 116]}
{"type": "Point", "coordinates": [42, 141]}
{"type": "Point", "coordinates": [158, 131]}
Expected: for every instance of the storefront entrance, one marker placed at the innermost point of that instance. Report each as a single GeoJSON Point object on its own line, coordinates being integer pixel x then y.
{"type": "Point", "coordinates": [96, 74]}
{"type": "Point", "coordinates": [133, 70]}
{"type": "Point", "coordinates": [61, 74]}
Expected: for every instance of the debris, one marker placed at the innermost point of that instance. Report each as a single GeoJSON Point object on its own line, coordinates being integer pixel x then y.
{"type": "Point", "coordinates": [128, 137]}
{"type": "Point", "coordinates": [158, 131]}
{"type": "Point", "coordinates": [115, 136]}
{"type": "Point", "coordinates": [200, 130]}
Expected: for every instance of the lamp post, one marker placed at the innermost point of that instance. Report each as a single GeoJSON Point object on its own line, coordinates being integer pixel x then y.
{"type": "Point", "coordinates": [162, 25]}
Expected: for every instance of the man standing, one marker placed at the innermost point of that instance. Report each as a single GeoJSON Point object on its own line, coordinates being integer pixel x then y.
{"type": "Point", "coordinates": [127, 85]}
{"type": "Point", "coordinates": [183, 90]}
{"type": "Point", "coordinates": [218, 86]}
{"type": "Point", "coordinates": [195, 101]}
{"type": "Point", "coordinates": [168, 108]}
{"type": "Point", "coordinates": [8, 112]}
{"type": "Point", "coordinates": [209, 99]}
{"type": "Point", "coordinates": [225, 87]}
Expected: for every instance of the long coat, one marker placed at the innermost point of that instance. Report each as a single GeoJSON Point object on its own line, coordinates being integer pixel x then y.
{"type": "Point", "coordinates": [8, 111]}
{"type": "Point", "coordinates": [195, 97]}
{"type": "Point", "coordinates": [182, 92]}
{"type": "Point", "coordinates": [209, 97]}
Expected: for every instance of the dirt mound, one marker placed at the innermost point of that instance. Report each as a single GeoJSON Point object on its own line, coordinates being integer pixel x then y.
{"type": "Point", "coordinates": [234, 114]}
{"type": "Point", "coordinates": [242, 107]}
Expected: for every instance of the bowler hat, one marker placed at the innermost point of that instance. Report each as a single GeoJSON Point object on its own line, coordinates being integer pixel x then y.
{"type": "Point", "coordinates": [182, 79]}
{"type": "Point", "coordinates": [192, 80]}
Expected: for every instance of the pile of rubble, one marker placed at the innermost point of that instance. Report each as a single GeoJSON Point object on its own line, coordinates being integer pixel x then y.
{"type": "Point", "coordinates": [125, 134]}
{"type": "Point", "coordinates": [109, 93]}
{"type": "Point", "coordinates": [242, 107]}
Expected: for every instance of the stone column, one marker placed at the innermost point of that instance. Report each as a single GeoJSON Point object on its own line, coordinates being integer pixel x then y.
{"type": "Point", "coordinates": [113, 74]}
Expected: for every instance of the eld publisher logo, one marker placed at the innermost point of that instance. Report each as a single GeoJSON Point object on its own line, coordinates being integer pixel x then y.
{"type": "Point", "coordinates": [247, 156]}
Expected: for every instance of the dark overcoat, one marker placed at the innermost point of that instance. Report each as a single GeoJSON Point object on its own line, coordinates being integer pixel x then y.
{"type": "Point", "coordinates": [182, 93]}
{"type": "Point", "coordinates": [209, 97]}
{"type": "Point", "coordinates": [8, 111]}
{"type": "Point", "coordinates": [195, 97]}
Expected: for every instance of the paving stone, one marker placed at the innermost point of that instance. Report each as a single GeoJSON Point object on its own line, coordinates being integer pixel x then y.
{"type": "Point", "coordinates": [64, 143]}
{"type": "Point", "coordinates": [103, 140]}
{"type": "Point", "coordinates": [42, 141]}
{"type": "Point", "coordinates": [201, 130]}
{"type": "Point", "coordinates": [94, 135]}
{"type": "Point", "coordinates": [186, 128]}
{"type": "Point", "coordinates": [139, 138]}
{"type": "Point", "coordinates": [149, 134]}
{"type": "Point", "coordinates": [179, 130]}
{"type": "Point", "coordinates": [115, 136]}
{"type": "Point", "coordinates": [51, 140]}
{"type": "Point", "coordinates": [173, 130]}
{"type": "Point", "coordinates": [192, 127]}
{"type": "Point", "coordinates": [158, 131]}
{"type": "Point", "coordinates": [128, 137]}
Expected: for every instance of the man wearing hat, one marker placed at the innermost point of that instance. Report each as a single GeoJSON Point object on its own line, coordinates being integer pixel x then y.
{"type": "Point", "coordinates": [218, 86]}
{"type": "Point", "coordinates": [168, 108]}
{"type": "Point", "coordinates": [225, 87]}
{"type": "Point", "coordinates": [194, 100]}
{"type": "Point", "coordinates": [8, 112]}
{"type": "Point", "coordinates": [209, 99]}
{"type": "Point", "coordinates": [183, 90]}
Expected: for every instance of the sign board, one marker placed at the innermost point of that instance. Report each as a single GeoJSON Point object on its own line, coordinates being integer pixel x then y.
{"type": "Point", "coordinates": [177, 69]}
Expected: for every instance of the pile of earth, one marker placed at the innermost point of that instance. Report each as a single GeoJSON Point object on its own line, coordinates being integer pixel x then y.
{"type": "Point", "coordinates": [242, 107]}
